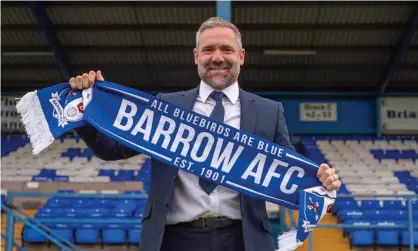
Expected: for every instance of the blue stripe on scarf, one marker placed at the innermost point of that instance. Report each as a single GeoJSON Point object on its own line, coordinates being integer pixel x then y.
{"type": "Point", "coordinates": [183, 139]}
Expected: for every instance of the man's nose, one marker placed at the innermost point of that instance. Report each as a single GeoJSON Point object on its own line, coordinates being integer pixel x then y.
{"type": "Point", "coordinates": [217, 56]}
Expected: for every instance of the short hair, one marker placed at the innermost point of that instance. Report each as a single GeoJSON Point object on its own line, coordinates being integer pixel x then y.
{"type": "Point", "coordinates": [218, 22]}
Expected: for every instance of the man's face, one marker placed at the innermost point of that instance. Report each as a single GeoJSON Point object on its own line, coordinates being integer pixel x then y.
{"type": "Point", "coordinates": [218, 57]}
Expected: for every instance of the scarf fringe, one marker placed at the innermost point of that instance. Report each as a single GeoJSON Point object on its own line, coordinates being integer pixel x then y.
{"type": "Point", "coordinates": [288, 242]}
{"type": "Point", "coordinates": [33, 118]}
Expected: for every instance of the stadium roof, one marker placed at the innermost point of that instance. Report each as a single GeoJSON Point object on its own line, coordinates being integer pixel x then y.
{"type": "Point", "coordinates": [291, 46]}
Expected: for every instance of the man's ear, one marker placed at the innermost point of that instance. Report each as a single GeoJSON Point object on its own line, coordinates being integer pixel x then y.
{"type": "Point", "coordinates": [195, 53]}
{"type": "Point", "coordinates": [242, 56]}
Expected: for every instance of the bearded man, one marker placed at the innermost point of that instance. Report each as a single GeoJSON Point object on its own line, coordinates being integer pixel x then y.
{"type": "Point", "coordinates": [184, 213]}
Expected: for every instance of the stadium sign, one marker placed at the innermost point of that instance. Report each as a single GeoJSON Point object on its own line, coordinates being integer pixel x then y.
{"type": "Point", "coordinates": [399, 115]}
{"type": "Point", "coordinates": [318, 111]}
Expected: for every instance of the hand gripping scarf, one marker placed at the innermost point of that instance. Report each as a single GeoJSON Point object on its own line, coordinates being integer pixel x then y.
{"type": "Point", "coordinates": [185, 140]}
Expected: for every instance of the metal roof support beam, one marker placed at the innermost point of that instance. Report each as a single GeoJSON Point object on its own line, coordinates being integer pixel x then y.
{"type": "Point", "coordinates": [223, 9]}
{"type": "Point", "coordinates": [50, 35]}
{"type": "Point", "coordinates": [223, 12]}
{"type": "Point", "coordinates": [398, 52]}
{"type": "Point", "coordinates": [186, 48]}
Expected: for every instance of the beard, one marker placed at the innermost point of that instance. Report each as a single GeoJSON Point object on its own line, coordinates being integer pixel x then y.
{"type": "Point", "coordinates": [219, 76]}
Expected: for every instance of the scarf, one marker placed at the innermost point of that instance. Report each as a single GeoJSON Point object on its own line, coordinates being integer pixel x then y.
{"type": "Point", "coordinates": [185, 140]}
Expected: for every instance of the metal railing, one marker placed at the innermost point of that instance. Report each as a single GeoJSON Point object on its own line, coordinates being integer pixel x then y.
{"type": "Point", "coordinates": [410, 225]}
{"type": "Point", "coordinates": [15, 214]}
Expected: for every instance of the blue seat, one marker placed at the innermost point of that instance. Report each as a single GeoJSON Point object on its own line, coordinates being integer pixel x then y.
{"type": "Point", "coordinates": [376, 214]}
{"type": "Point", "coordinates": [49, 212]}
{"type": "Point", "coordinates": [114, 234]}
{"type": "Point", "coordinates": [106, 203]}
{"type": "Point", "coordinates": [139, 212]}
{"type": "Point", "coordinates": [351, 215]}
{"type": "Point", "coordinates": [87, 153]}
{"type": "Point", "coordinates": [356, 223]}
{"type": "Point", "coordinates": [398, 214]}
{"type": "Point", "coordinates": [141, 203]}
{"type": "Point", "coordinates": [87, 235]}
{"type": "Point", "coordinates": [393, 204]}
{"type": "Point", "coordinates": [370, 204]}
{"type": "Point", "coordinates": [31, 235]}
{"type": "Point", "coordinates": [387, 237]}
{"type": "Point", "coordinates": [121, 213]}
{"type": "Point", "coordinates": [128, 173]}
{"type": "Point", "coordinates": [405, 237]}
{"type": "Point", "coordinates": [65, 233]}
{"type": "Point", "coordinates": [392, 154]}
{"type": "Point", "coordinates": [408, 154]}
{"type": "Point", "coordinates": [414, 204]}
{"type": "Point", "coordinates": [127, 205]}
{"type": "Point", "coordinates": [408, 180]}
{"type": "Point", "coordinates": [48, 172]}
{"type": "Point", "coordinates": [378, 153]}
{"type": "Point", "coordinates": [121, 178]}
{"type": "Point", "coordinates": [362, 237]}
{"type": "Point", "coordinates": [106, 172]}
{"type": "Point", "coordinates": [400, 174]}
{"type": "Point", "coordinates": [59, 202]}
{"type": "Point", "coordinates": [134, 236]}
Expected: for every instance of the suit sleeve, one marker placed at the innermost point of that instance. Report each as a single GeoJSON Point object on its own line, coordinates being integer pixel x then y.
{"type": "Point", "coordinates": [104, 147]}
{"type": "Point", "coordinates": [281, 136]}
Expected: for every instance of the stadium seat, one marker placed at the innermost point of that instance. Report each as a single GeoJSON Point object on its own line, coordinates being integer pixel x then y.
{"type": "Point", "coordinates": [387, 237]}
{"type": "Point", "coordinates": [87, 234]}
{"type": "Point", "coordinates": [370, 204]}
{"type": "Point", "coordinates": [114, 234]}
{"type": "Point", "coordinates": [345, 204]}
{"type": "Point", "coordinates": [64, 232]}
{"type": "Point", "coordinates": [134, 235]}
{"type": "Point", "coordinates": [31, 235]}
{"type": "Point", "coordinates": [405, 237]}
{"type": "Point", "coordinates": [362, 237]}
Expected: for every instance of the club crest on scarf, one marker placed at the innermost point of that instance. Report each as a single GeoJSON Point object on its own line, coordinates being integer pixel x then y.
{"type": "Point", "coordinates": [74, 105]}
{"type": "Point", "coordinates": [313, 205]}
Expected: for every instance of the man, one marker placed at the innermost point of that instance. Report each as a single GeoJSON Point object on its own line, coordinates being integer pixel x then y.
{"type": "Point", "coordinates": [184, 213]}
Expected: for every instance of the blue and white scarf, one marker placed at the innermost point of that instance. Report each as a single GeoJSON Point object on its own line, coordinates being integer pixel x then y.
{"type": "Point", "coordinates": [185, 140]}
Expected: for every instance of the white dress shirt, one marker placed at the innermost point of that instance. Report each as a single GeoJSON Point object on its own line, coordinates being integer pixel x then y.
{"type": "Point", "coordinates": [190, 201]}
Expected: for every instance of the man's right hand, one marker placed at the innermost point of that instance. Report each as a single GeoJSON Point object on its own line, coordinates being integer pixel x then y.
{"type": "Point", "coordinates": [85, 80]}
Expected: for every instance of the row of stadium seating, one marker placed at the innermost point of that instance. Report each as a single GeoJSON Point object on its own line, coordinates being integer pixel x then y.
{"type": "Point", "coordinates": [67, 159]}
{"type": "Point", "coordinates": [93, 212]}
{"type": "Point", "coordinates": [381, 236]}
{"type": "Point", "coordinates": [382, 166]}
{"type": "Point", "coordinates": [361, 168]}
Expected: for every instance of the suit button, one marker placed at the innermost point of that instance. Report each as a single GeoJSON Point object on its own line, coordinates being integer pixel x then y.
{"type": "Point", "coordinates": [174, 178]}
{"type": "Point", "coordinates": [166, 204]}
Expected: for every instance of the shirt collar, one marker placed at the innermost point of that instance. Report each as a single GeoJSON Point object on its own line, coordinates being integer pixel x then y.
{"type": "Point", "coordinates": [232, 92]}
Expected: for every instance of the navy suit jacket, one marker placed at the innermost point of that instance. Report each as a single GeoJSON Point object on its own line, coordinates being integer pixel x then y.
{"type": "Point", "coordinates": [259, 116]}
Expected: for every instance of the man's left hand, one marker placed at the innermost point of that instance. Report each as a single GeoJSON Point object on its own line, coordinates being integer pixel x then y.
{"type": "Point", "coordinates": [328, 177]}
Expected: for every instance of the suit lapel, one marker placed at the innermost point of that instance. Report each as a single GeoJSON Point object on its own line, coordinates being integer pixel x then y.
{"type": "Point", "coordinates": [188, 98]}
{"type": "Point", "coordinates": [248, 111]}
{"type": "Point", "coordinates": [185, 100]}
